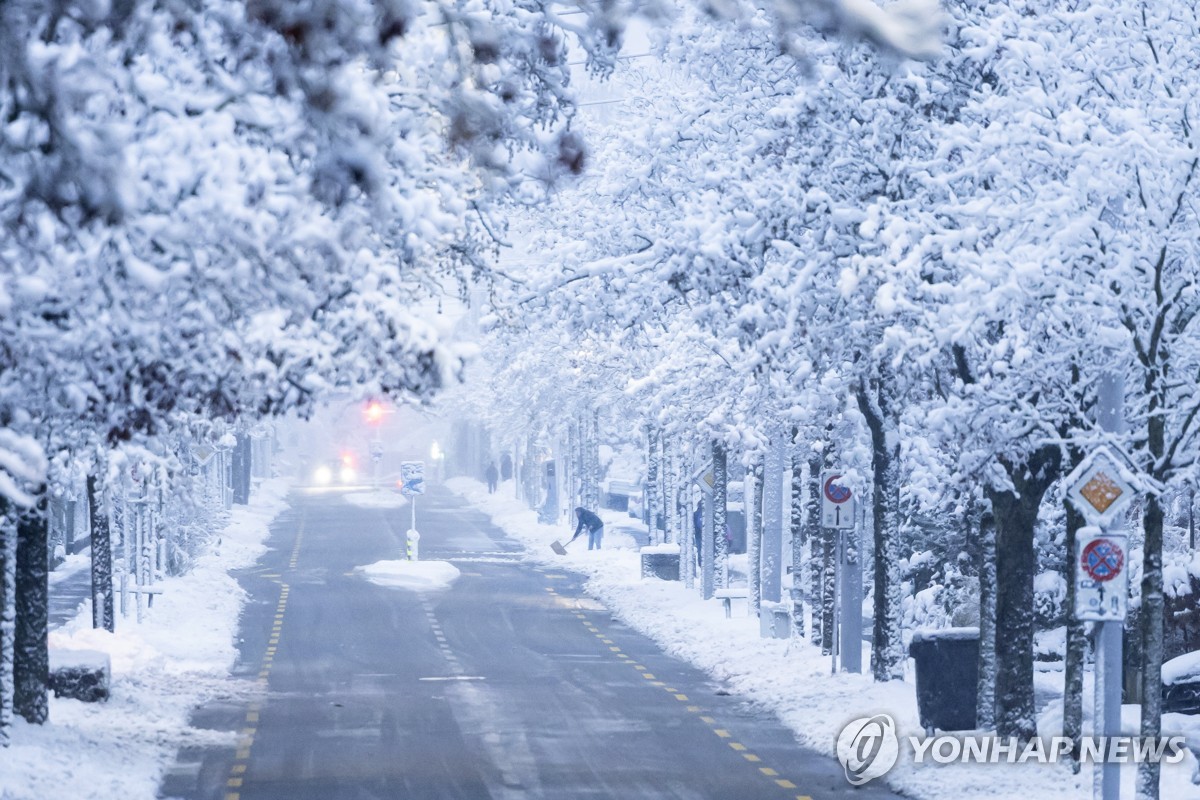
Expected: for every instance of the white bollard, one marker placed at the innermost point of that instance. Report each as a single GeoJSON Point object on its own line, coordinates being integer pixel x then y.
{"type": "Point", "coordinates": [414, 541]}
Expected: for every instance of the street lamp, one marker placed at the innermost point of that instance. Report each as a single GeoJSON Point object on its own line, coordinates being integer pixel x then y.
{"type": "Point", "coordinates": [436, 455]}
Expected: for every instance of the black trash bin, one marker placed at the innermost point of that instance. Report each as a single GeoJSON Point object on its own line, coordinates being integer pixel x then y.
{"type": "Point", "coordinates": [947, 677]}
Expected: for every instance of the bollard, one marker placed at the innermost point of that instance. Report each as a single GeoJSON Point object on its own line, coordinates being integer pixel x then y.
{"type": "Point", "coordinates": [414, 540]}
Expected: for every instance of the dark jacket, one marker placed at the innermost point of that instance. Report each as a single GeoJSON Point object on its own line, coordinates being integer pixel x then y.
{"type": "Point", "coordinates": [587, 520]}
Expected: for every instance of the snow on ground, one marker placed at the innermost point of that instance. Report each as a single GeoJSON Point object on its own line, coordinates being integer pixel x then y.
{"type": "Point", "coordinates": [76, 562]}
{"type": "Point", "coordinates": [792, 678]}
{"type": "Point", "coordinates": [418, 576]}
{"type": "Point", "coordinates": [380, 498]}
{"type": "Point", "coordinates": [178, 658]}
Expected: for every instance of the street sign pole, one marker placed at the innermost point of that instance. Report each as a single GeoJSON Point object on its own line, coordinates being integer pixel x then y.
{"type": "Point", "coordinates": [838, 511]}
{"type": "Point", "coordinates": [1102, 486]}
{"type": "Point", "coordinates": [412, 483]}
{"type": "Point", "coordinates": [1110, 633]}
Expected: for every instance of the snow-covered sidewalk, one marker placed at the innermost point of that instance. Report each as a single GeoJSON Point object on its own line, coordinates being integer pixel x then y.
{"type": "Point", "coordinates": [791, 678]}
{"type": "Point", "coordinates": [179, 658]}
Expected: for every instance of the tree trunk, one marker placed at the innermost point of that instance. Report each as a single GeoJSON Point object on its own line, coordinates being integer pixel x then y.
{"type": "Point", "coordinates": [720, 497]}
{"type": "Point", "coordinates": [1151, 614]}
{"type": "Point", "coordinates": [797, 527]}
{"type": "Point", "coordinates": [1016, 565]}
{"type": "Point", "coordinates": [813, 527]}
{"type": "Point", "coordinates": [887, 651]}
{"type": "Point", "coordinates": [8, 617]}
{"type": "Point", "coordinates": [1076, 643]}
{"type": "Point", "coordinates": [754, 518]}
{"type": "Point", "coordinates": [31, 654]}
{"type": "Point", "coordinates": [652, 484]}
{"type": "Point", "coordinates": [102, 566]}
{"type": "Point", "coordinates": [986, 703]}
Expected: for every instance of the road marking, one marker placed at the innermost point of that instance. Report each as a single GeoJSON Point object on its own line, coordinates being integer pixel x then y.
{"type": "Point", "coordinates": [455, 678]}
{"type": "Point", "coordinates": [737, 747]}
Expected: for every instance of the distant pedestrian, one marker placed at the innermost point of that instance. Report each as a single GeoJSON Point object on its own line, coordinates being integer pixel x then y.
{"type": "Point", "coordinates": [592, 524]}
{"type": "Point", "coordinates": [505, 467]}
{"type": "Point", "coordinates": [492, 475]}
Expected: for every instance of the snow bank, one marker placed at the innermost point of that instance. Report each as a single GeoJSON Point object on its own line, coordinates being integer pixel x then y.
{"type": "Point", "coordinates": [180, 657]}
{"type": "Point", "coordinates": [792, 678]}
{"type": "Point", "coordinates": [418, 576]}
{"type": "Point", "coordinates": [376, 499]}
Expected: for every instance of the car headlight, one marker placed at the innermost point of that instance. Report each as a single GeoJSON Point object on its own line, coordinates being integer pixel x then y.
{"type": "Point", "coordinates": [323, 476]}
{"type": "Point", "coordinates": [347, 475]}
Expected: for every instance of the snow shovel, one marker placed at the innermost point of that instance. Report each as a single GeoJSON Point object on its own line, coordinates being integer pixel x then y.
{"type": "Point", "coordinates": [559, 547]}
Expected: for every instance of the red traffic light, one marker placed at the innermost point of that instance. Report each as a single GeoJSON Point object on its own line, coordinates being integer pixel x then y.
{"type": "Point", "coordinates": [374, 412]}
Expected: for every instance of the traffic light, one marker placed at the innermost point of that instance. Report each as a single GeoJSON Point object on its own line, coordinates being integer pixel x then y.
{"type": "Point", "coordinates": [374, 412]}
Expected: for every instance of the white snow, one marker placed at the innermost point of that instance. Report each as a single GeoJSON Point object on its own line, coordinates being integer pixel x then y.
{"type": "Point", "coordinates": [177, 659]}
{"type": "Point", "coordinates": [417, 576]}
{"type": "Point", "coordinates": [376, 499]}
{"type": "Point", "coordinates": [793, 679]}
{"type": "Point", "coordinates": [1181, 667]}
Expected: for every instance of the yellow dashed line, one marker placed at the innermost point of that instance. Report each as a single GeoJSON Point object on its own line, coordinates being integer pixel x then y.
{"type": "Point", "coordinates": [708, 720]}
{"type": "Point", "coordinates": [232, 796]}
{"type": "Point", "coordinates": [238, 769]}
{"type": "Point", "coordinates": [233, 783]}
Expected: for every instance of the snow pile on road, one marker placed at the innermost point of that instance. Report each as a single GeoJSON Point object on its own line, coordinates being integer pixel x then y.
{"type": "Point", "coordinates": [418, 576]}
{"type": "Point", "coordinates": [792, 678]}
{"type": "Point", "coordinates": [177, 659]}
{"type": "Point", "coordinates": [376, 499]}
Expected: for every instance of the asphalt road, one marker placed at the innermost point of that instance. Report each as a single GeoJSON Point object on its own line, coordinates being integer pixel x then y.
{"type": "Point", "coordinates": [511, 684]}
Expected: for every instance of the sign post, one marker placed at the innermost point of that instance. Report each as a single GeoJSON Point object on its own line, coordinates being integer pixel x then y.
{"type": "Point", "coordinates": [1102, 487]}
{"type": "Point", "coordinates": [412, 483]}
{"type": "Point", "coordinates": [838, 511]}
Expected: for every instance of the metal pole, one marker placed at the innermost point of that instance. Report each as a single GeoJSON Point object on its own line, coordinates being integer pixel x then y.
{"type": "Point", "coordinates": [1107, 779]}
{"type": "Point", "coordinates": [850, 604]}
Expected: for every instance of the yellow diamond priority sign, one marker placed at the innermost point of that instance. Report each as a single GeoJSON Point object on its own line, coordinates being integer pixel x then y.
{"type": "Point", "coordinates": [1101, 487]}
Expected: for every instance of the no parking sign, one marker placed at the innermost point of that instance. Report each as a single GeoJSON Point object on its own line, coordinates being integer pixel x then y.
{"type": "Point", "coordinates": [1101, 576]}
{"type": "Point", "coordinates": [837, 501]}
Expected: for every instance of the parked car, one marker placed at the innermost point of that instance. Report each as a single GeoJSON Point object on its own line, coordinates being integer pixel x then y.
{"type": "Point", "coordinates": [1181, 684]}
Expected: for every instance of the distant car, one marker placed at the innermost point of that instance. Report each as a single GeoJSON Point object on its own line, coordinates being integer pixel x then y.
{"type": "Point", "coordinates": [337, 471]}
{"type": "Point", "coordinates": [1181, 684]}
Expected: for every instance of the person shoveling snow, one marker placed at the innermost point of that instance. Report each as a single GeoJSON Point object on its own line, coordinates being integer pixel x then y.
{"type": "Point", "coordinates": [589, 522]}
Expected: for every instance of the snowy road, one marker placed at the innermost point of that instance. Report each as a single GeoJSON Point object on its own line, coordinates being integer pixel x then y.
{"type": "Point", "coordinates": [511, 683]}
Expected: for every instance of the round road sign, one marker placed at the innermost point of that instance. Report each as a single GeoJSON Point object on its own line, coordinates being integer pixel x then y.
{"type": "Point", "coordinates": [834, 491]}
{"type": "Point", "coordinates": [1102, 560]}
